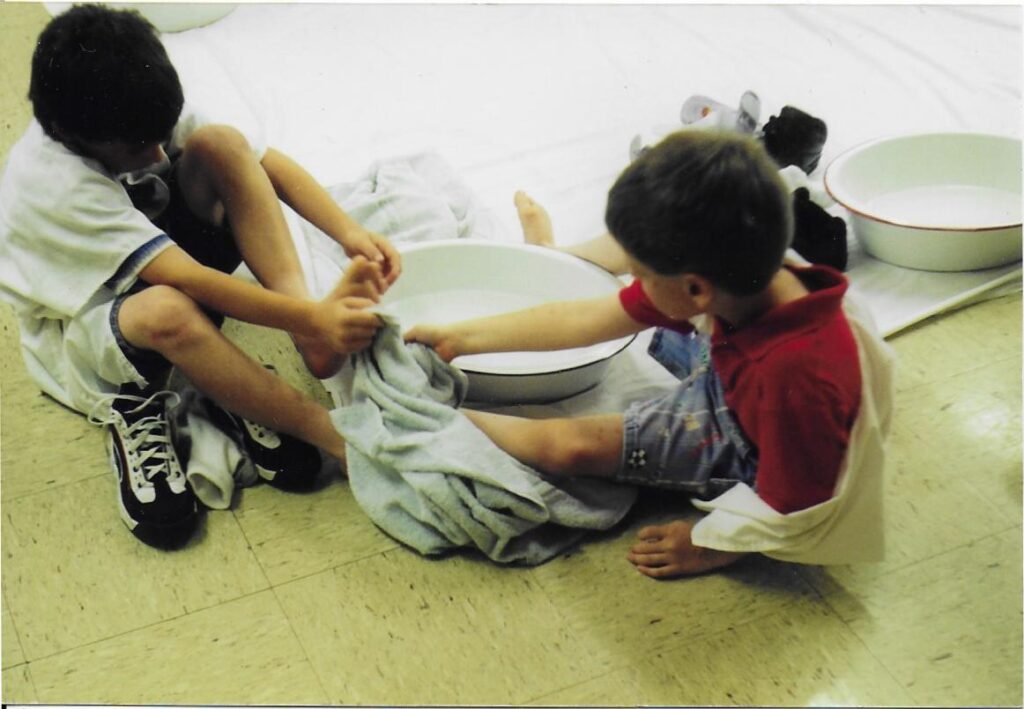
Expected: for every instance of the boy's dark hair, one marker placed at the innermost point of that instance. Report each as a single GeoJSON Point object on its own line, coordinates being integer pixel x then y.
{"type": "Point", "coordinates": [102, 74]}
{"type": "Point", "coordinates": [704, 202]}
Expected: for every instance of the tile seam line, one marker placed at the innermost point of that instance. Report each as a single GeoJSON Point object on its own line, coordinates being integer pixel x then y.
{"type": "Point", "coordinates": [298, 639]}
{"type": "Point", "coordinates": [147, 626]}
{"type": "Point", "coordinates": [7, 499]}
{"type": "Point", "coordinates": [304, 576]}
{"type": "Point", "coordinates": [906, 689]}
{"type": "Point", "coordinates": [31, 679]}
{"type": "Point", "coordinates": [1016, 356]}
{"type": "Point", "coordinates": [17, 635]}
{"type": "Point", "coordinates": [927, 559]}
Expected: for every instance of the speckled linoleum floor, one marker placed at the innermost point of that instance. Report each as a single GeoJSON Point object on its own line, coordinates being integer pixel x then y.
{"type": "Point", "coordinates": [298, 599]}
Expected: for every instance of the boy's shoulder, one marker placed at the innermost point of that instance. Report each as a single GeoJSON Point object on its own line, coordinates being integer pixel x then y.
{"type": "Point", "coordinates": [43, 179]}
{"type": "Point", "coordinates": [805, 344]}
{"type": "Point", "coordinates": [62, 214]}
{"type": "Point", "coordinates": [799, 327]}
{"type": "Point", "coordinates": [38, 163]}
{"type": "Point", "coordinates": [833, 345]}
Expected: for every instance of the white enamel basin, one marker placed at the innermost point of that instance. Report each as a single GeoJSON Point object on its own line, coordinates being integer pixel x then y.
{"type": "Point", "coordinates": [934, 201]}
{"type": "Point", "coordinates": [448, 281]}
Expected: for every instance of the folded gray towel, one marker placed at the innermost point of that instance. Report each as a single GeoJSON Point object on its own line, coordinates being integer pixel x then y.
{"type": "Point", "coordinates": [430, 478]}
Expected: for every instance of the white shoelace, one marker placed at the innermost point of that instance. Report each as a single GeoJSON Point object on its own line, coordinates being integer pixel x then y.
{"type": "Point", "coordinates": [148, 440]}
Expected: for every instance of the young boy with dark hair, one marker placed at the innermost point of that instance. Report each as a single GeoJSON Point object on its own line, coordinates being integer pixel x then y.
{"type": "Point", "coordinates": [122, 214]}
{"type": "Point", "coordinates": [778, 423]}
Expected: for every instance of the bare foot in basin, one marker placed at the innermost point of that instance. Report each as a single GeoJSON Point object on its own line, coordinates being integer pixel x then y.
{"type": "Point", "coordinates": [535, 221]}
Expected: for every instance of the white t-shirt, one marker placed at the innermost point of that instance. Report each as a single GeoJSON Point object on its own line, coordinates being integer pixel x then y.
{"type": "Point", "coordinates": [70, 237]}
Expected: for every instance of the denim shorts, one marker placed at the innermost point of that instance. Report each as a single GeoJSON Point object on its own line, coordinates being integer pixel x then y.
{"type": "Point", "coordinates": [151, 365]}
{"type": "Point", "coordinates": [687, 440]}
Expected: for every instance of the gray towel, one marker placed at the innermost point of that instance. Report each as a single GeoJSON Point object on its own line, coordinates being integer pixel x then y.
{"type": "Point", "coordinates": [430, 478]}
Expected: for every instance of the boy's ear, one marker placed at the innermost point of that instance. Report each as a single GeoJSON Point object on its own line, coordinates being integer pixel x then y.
{"type": "Point", "coordinates": [700, 289]}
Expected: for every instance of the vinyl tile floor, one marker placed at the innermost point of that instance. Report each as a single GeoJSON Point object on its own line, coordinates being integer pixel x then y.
{"type": "Point", "coordinates": [299, 599]}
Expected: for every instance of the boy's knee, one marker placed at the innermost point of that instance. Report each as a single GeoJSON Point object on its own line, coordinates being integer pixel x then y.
{"type": "Point", "coordinates": [212, 145]}
{"type": "Point", "coordinates": [163, 319]}
{"type": "Point", "coordinates": [570, 449]}
{"type": "Point", "coordinates": [212, 154]}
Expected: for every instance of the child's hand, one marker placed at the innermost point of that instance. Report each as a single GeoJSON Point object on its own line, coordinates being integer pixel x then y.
{"type": "Point", "coordinates": [342, 322]}
{"type": "Point", "coordinates": [667, 550]}
{"type": "Point", "coordinates": [441, 338]}
{"type": "Point", "coordinates": [345, 325]}
{"type": "Point", "coordinates": [375, 248]}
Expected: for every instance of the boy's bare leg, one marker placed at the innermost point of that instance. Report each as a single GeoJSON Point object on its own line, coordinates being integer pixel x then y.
{"type": "Point", "coordinates": [220, 177]}
{"type": "Point", "coordinates": [589, 446]}
{"type": "Point", "coordinates": [535, 221]}
{"type": "Point", "coordinates": [592, 446]}
{"type": "Point", "coordinates": [166, 321]}
{"type": "Point", "coordinates": [602, 251]}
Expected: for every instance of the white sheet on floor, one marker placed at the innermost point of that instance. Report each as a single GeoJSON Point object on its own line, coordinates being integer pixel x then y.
{"type": "Point", "coordinates": [547, 97]}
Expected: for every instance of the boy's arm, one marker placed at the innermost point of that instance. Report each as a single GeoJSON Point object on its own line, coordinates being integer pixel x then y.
{"type": "Point", "coordinates": [340, 319]}
{"type": "Point", "coordinates": [300, 191]}
{"type": "Point", "coordinates": [552, 326]}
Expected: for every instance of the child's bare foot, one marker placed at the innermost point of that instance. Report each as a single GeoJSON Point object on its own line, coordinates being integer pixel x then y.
{"type": "Point", "coordinates": [321, 361]}
{"type": "Point", "coordinates": [535, 221]}
{"type": "Point", "coordinates": [362, 279]}
{"type": "Point", "coordinates": [667, 551]}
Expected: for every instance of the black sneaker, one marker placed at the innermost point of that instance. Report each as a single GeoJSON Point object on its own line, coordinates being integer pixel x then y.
{"type": "Point", "coordinates": [817, 235]}
{"type": "Point", "coordinates": [155, 502]}
{"type": "Point", "coordinates": [281, 460]}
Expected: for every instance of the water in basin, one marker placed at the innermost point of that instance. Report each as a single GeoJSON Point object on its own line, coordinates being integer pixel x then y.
{"type": "Point", "coordinates": [948, 206]}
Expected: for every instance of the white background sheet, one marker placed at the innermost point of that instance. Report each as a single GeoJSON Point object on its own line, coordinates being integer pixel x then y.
{"type": "Point", "coordinates": [547, 97]}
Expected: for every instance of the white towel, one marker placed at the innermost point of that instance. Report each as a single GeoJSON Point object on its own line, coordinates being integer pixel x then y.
{"type": "Point", "coordinates": [407, 199]}
{"type": "Point", "coordinates": [430, 478]}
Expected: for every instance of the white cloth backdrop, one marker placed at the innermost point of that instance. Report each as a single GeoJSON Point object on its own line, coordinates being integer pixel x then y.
{"type": "Point", "coordinates": [547, 97]}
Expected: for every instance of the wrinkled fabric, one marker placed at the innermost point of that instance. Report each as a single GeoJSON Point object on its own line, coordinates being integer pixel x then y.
{"type": "Point", "coordinates": [427, 476]}
{"type": "Point", "coordinates": [848, 528]}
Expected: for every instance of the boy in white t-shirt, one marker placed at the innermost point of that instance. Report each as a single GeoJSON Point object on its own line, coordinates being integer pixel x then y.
{"type": "Point", "coordinates": [121, 217]}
